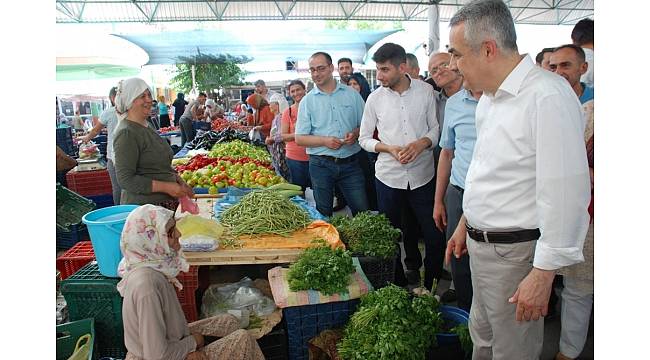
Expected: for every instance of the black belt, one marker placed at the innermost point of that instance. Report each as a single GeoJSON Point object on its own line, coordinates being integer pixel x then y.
{"type": "Point", "coordinates": [338, 160]}
{"type": "Point", "coordinates": [458, 188]}
{"type": "Point", "coordinates": [503, 237]}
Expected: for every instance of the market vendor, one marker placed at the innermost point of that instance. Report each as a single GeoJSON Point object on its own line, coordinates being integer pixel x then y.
{"type": "Point", "coordinates": [154, 323]}
{"type": "Point", "coordinates": [142, 158]}
{"type": "Point", "coordinates": [213, 111]}
{"type": "Point", "coordinates": [263, 117]}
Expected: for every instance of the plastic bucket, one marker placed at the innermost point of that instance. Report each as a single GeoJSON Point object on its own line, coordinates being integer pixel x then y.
{"type": "Point", "coordinates": [454, 316]}
{"type": "Point", "coordinates": [105, 229]}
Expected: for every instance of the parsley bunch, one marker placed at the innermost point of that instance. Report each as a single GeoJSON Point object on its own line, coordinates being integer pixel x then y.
{"type": "Point", "coordinates": [367, 234]}
{"type": "Point", "coordinates": [323, 269]}
{"type": "Point", "coordinates": [390, 326]}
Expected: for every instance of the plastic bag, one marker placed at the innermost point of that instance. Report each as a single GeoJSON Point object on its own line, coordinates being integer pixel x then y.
{"type": "Point", "coordinates": [219, 299]}
{"type": "Point", "coordinates": [187, 205]}
{"type": "Point", "coordinates": [255, 135]}
{"type": "Point", "coordinates": [195, 243]}
{"type": "Point", "coordinates": [88, 151]}
{"type": "Point", "coordinates": [195, 225]}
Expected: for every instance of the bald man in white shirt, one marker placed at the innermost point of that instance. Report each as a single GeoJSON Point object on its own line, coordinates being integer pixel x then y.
{"type": "Point", "coordinates": [527, 189]}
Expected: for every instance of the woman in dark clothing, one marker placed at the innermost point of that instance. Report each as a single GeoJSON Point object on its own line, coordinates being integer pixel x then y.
{"type": "Point", "coordinates": [179, 107]}
{"type": "Point", "coordinates": [359, 83]}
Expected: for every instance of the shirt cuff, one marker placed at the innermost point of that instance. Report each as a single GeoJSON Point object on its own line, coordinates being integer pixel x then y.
{"type": "Point", "coordinates": [548, 258]}
{"type": "Point", "coordinates": [369, 145]}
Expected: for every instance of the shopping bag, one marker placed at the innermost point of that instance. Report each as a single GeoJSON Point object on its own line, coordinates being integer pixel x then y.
{"type": "Point", "coordinates": [82, 351]}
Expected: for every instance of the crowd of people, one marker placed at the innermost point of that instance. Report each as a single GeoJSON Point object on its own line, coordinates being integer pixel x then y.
{"type": "Point", "coordinates": [489, 162]}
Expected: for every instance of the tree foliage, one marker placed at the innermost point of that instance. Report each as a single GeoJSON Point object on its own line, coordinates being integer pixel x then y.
{"type": "Point", "coordinates": [211, 72]}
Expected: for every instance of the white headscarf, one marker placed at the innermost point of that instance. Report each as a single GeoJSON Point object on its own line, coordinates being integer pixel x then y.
{"type": "Point", "coordinates": [144, 243]}
{"type": "Point", "coordinates": [127, 91]}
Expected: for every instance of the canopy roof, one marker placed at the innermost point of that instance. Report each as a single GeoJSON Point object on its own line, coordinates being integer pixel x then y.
{"type": "Point", "coordinates": [545, 12]}
{"type": "Point", "coordinates": [166, 47]}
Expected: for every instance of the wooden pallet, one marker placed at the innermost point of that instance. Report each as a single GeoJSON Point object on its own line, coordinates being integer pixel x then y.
{"type": "Point", "coordinates": [243, 257]}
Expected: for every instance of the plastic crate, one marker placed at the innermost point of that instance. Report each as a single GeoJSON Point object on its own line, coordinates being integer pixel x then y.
{"type": "Point", "coordinates": [379, 271]}
{"type": "Point", "coordinates": [90, 294]}
{"type": "Point", "coordinates": [102, 201]}
{"type": "Point", "coordinates": [67, 335]}
{"type": "Point", "coordinates": [274, 344]}
{"type": "Point", "coordinates": [60, 178]}
{"type": "Point", "coordinates": [307, 321]}
{"type": "Point", "coordinates": [89, 183]}
{"type": "Point", "coordinates": [74, 259]}
{"type": "Point", "coordinates": [70, 207]}
{"type": "Point", "coordinates": [65, 141]}
{"type": "Point", "coordinates": [187, 296]}
{"type": "Point", "coordinates": [67, 239]}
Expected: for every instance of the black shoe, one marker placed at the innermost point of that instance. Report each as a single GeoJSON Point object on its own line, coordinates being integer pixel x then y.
{"type": "Point", "coordinates": [413, 277]}
{"type": "Point", "coordinates": [449, 296]}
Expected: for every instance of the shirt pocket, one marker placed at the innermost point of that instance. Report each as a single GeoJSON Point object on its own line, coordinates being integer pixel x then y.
{"type": "Point", "coordinates": [520, 254]}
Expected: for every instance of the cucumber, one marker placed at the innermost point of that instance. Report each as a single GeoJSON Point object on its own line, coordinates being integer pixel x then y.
{"type": "Point", "coordinates": [289, 193]}
{"type": "Point", "coordinates": [285, 186]}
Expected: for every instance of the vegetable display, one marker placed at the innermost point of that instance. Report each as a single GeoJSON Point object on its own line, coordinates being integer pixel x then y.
{"type": "Point", "coordinates": [207, 139]}
{"type": "Point", "coordinates": [221, 124]}
{"type": "Point", "coordinates": [265, 212]}
{"type": "Point", "coordinates": [367, 234]}
{"type": "Point", "coordinates": [463, 335]}
{"type": "Point", "coordinates": [388, 325]}
{"type": "Point", "coordinates": [240, 149]}
{"type": "Point", "coordinates": [323, 269]}
{"type": "Point", "coordinates": [224, 173]}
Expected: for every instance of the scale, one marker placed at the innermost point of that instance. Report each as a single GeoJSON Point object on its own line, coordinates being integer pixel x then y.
{"type": "Point", "coordinates": [91, 164]}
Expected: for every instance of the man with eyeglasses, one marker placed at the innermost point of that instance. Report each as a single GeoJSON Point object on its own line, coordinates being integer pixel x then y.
{"type": "Point", "coordinates": [328, 124]}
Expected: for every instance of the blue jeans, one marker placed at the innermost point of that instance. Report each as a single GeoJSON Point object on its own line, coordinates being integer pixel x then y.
{"type": "Point", "coordinates": [393, 202]}
{"type": "Point", "coordinates": [299, 173]}
{"type": "Point", "coordinates": [347, 176]}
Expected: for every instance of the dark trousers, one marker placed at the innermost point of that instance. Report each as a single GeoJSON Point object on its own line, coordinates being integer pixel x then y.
{"type": "Point", "coordinates": [393, 203]}
{"type": "Point", "coordinates": [187, 131]}
{"type": "Point", "coordinates": [299, 173]}
{"type": "Point", "coordinates": [460, 270]}
{"type": "Point", "coordinates": [164, 121]}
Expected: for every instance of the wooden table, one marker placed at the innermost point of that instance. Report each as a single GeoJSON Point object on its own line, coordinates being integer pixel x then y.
{"type": "Point", "coordinates": [236, 256]}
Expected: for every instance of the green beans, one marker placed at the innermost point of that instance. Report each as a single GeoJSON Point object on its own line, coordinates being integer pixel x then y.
{"type": "Point", "coordinates": [265, 212]}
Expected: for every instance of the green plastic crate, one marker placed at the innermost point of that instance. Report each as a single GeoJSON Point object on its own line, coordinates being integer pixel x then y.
{"type": "Point", "coordinates": [67, 335]}
{"type": "Point", "coordinates": [89, 294]}
{"type": "Point", "coordinates": [70, 208]}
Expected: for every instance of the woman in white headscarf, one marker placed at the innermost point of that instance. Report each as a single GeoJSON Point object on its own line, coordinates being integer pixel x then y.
{"type": "Point", "coordinates": [154, 324]}
{"type": "Point", "coordinates": [142, 158]}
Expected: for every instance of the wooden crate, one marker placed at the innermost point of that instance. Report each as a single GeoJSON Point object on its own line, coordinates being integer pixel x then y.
{"type": "Point", "coordinates": [243, 257]}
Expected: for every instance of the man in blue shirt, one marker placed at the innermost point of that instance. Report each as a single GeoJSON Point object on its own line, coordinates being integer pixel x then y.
{"type": "Point", "coordinates": [328, 124]}
{"type": "Point", "coordinates": [569, 62]}
{"type": "Point", "coordinates": [457, 142]}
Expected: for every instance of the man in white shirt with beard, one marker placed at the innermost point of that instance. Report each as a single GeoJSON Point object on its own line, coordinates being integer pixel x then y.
{"type": "Point", "coordinates": [404, 112]}
{"type": "Point", "coordinates": [527, 189]}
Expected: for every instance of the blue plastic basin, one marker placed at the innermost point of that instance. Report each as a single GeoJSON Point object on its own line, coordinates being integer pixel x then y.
{"type": "Point", "coordinates": [455, 316]}
{"type": "Point", "coordinates": [105, 229]}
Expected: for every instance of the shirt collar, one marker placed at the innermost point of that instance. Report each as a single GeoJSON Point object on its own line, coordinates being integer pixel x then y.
{"type": "Point", "coordinates": [339, 86]}
{"type": "Point", "coordinates": [467, 96]}
{"type": "Point", "coordinates": [405, 91]}
{"type": "Point", "coordinates": [513, 82]}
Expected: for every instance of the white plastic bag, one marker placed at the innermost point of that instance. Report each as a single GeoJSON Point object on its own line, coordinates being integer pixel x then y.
{"type": "Point", "coordinates": [195, 243]}
{"type": "Point", "coordinates": [255, 134]}
{"type": "Point", "coordinates": [219, 299]}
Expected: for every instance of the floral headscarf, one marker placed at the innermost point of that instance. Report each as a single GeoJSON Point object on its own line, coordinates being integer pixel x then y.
{"type": "Point", "coordinates": [127, 91]}
{"type": "Point", "coordinates": [144, 243]}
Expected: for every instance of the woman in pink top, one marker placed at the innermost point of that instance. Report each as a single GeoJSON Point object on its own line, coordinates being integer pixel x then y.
{"type": "Point", "coordinates": [297, 158]}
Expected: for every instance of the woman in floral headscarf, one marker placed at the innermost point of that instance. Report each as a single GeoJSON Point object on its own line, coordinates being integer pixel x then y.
{"type": "Point", "coordinates": [154, 324]}
{"type": "Point", "coordinates": [263, 117]}
{"type": "Point", "coordinates": [142, 158]}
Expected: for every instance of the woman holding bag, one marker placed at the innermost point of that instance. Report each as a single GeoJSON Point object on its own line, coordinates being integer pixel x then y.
{"type": "Point", "coordinates": [263, 117]}
{"type": "Point", "coordinates": [142, 158]}
{"type": "Point", "coordinates": [154, 324]}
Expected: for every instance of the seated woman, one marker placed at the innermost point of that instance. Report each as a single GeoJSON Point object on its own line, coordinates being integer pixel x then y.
{"type": "Point", "coordinates": [142, 158]}
{"type": "Point", "coordinates": [154, 324]}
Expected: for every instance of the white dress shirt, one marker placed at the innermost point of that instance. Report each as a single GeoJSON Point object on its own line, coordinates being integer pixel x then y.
{"type": "Point", "coordinates": [588, 77]}
{"type": "Point", "coordinates": [401, 119]}
{"type": "Point", "coordinates": [529, 168]}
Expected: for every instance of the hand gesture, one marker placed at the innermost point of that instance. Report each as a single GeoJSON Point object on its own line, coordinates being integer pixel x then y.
{"type": "Point", "coordinates": [440, 216]}
{"type": "Point", "coordinates": [532, 295]}
{"type": "Point", "coordinates": [350, 138]}
{"type": "Point", "coordinates": [457, 244]}
{"type": "Point", "coordinates": [394, 150]}
{"type": "Point", "coordinates": [332, 143]}
{"type": "Point", "coordinates": [410, 152]}
{"type": "Point", "coordinates": [268, 141]}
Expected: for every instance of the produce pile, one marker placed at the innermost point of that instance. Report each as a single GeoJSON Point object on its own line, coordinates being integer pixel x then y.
{"type": "Point", "coordinates": [388, 325]}
{"type": "Point", "coordinates": [221, 124]}
{"type": "Point", "coordinates": [266, 212]}
{"type": "Point", "coordinates": [239, 149]}
{"type": "Point", "coordinates": [164, 130]}
{"type": "Point", "coordinates": [209, 138]}
{"type": "Point", "coordinates": [323, 269]}
{"type": "Point", "coordinates": [367, 234]}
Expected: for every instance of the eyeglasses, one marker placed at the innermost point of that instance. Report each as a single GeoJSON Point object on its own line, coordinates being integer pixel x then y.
{"type": "Point", "coordinates": [440, 67]}
{"type": "Point", "coordinates": [319, 69]}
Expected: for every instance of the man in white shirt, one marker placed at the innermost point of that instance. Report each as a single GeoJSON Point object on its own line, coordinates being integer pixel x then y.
{"type": "Point", "coordinates": [527, 188]}
{"type": "Point", "coordinates": [403, 111]}
{"type": "Point", "coordinates": [270, 95]}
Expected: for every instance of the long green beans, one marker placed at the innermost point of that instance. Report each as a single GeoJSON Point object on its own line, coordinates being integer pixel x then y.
{"type": "Point", "coordinates": [265, 212]}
